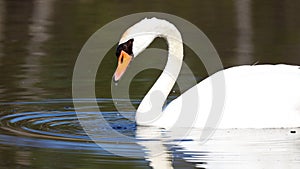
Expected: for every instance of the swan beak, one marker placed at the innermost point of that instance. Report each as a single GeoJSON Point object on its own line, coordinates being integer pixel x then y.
{"type": "Point", "coordinates": [123, 62]}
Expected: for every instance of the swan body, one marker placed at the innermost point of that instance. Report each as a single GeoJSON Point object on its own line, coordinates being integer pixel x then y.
{"type": "Point", "coordinates": [258, 96]}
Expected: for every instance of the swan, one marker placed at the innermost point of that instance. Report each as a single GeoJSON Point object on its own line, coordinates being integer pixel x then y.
{"type": "Point", "coordinates": [256, 96]}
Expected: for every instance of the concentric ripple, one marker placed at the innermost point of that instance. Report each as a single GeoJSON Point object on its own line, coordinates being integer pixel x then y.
{"type": "Point", "coordinates": [46, 124]}
{"type": "Point", "coordinates": [55, 124]}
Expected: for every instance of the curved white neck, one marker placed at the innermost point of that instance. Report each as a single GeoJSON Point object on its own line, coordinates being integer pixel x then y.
{"type": "Point", "coordinates": [151, 106]}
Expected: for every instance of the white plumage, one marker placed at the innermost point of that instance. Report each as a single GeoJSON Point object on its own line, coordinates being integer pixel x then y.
{"type": "Point", "coordinates": [259, 96]}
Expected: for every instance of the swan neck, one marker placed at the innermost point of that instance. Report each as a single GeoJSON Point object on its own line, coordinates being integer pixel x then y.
{"type": "Point", "coordinates": [153, 102]}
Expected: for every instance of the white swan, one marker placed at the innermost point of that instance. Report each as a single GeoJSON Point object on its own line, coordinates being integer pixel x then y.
{"type": "Point", "coordinates": [260, 96]}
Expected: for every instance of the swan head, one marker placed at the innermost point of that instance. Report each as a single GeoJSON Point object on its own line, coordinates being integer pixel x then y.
{"type": "Point", "coordinates": [124, 54]}
{"type": "Point", "coordinates": [133, 41]}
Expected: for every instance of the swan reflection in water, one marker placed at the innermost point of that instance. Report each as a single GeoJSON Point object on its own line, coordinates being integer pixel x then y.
{"type": "Point", "coordinates": [227, 149]}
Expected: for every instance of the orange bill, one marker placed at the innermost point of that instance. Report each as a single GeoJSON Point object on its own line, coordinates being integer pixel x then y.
{"type": "Point", "coordinates": [123, 62]}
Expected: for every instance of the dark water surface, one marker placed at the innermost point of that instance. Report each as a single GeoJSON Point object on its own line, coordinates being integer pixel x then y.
{"type": "Point", "coordinates": [39, 44]}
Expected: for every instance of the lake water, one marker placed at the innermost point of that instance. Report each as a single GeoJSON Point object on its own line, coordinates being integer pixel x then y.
{"type": "Point", "coordinates": [41, 40]}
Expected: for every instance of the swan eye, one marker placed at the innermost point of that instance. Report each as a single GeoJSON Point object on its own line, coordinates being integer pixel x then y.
{"type": "Point", "coordinates": [126, 47]}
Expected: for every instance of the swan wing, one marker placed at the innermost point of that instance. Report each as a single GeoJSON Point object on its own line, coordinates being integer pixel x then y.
{"type": "Point", "coordinates": [260, 96]}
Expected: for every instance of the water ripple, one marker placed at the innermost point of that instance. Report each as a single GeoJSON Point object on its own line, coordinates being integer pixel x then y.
{"type": "Point", "coordinates": [56, 124]}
